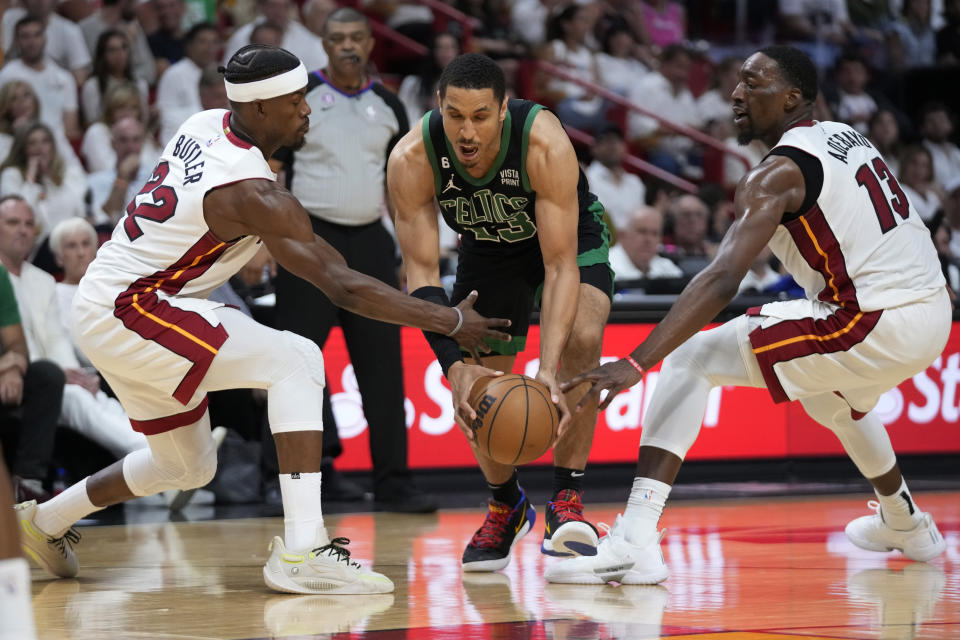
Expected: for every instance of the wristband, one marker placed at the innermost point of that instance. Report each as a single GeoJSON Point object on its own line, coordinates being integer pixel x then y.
{"type": "Point", "coordinates": [446, 349]}
{"type": "Point", "coordinates": [459, 322]}
{"type": "Point", "coordinates": [634, 364]}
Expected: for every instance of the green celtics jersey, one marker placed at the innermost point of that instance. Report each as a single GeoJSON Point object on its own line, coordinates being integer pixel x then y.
{"type": "Point", "coordinates": [494, 214]}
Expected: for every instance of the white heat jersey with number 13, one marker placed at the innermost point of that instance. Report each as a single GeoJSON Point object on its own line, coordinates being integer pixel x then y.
{"type": "Point", "coordinates": [163, 245]}
{"type": "Point", "coordinates": [856, 242]}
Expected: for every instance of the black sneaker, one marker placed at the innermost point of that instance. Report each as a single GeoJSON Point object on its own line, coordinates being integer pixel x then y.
{"type": "Point", "coordinates": [489, 549]}
{"type": "Point", "coordinates": [566, 532]}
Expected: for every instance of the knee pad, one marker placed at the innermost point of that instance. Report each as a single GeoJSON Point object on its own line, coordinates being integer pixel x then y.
{"type": "Point", "coordinates": [169, 465]}
{"type": "Point", "coordinates": [304, 353]}
{"type": "Point", "coordinates": [295, 401]}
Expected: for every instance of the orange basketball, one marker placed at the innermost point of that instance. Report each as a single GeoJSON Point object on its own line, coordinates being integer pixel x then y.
{"type": "Point", "coordinates": [516, 421]}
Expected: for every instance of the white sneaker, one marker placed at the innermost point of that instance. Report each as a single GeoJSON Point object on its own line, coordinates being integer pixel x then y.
{"type": "Point", "coordinates": [180, 498]}
{"type": "Point", "coordinates": [53, 554]}
{"type": "Point", "coordinates": [312, 616]}
{"type": "Point", "coordinates": [327, 569]}
{"type": "Point", "coordinates": [921, 543]}
{"type": "Point", "coordinates": [617, 560]}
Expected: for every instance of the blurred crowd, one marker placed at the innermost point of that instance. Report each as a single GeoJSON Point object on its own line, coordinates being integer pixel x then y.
{"type": "Point", "coordinates": [91, 91]}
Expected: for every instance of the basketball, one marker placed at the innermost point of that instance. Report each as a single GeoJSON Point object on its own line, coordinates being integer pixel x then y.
{"type": "Point", "coordinates": [516, 421]}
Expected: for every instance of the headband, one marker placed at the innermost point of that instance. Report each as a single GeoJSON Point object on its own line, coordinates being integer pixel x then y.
{"type": "Point", "coordinates": [282, 84]}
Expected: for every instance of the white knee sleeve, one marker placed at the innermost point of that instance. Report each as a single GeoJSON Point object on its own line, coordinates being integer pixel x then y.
{"type": "Point", "coordinates": [708, 359]}
{"type": "Point", "coordinates": [295, 400]}
{"type": "Point", "coordinates": [865, 440]}
{"type": "Point", "coordinates": [184, 458]}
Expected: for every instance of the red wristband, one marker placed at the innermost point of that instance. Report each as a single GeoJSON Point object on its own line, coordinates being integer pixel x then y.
{"type": "Point", "coordinates": [634, 364]}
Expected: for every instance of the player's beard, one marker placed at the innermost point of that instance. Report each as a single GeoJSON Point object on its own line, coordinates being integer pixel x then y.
{"type": "Point", "coordinates": [745, 137]}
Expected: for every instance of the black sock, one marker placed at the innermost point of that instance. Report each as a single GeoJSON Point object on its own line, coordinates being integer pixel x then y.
{"type": "Point", "coordinates": [564, 478]}
{"type": "Point", "coordinates": [509, 492]}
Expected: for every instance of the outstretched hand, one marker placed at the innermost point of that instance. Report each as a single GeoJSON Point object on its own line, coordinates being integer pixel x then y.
{"type": "Point", "coordinates": [476, 327]}
{"type": "Point", "coordinates": [463, 377]}
{"type": "Point", "coordinates": [613, 377]}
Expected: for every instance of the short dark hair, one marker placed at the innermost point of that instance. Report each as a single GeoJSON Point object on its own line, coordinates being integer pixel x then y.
{"type": "Point", "coordinates": [473, 71]}
{"type": "Point", "coordinates": [673, 51]}
{"type": "Point", "coordinates": [345, 14]}
{"type": "Point", "coordinates": [197, 29]}
{"type": "Point", "coordinates": [934, 106]}
{"type": "Point", "coordinates": [796, 67]}
{"type": "Point", "coordinates": [25, 20]}
{"type": "Point", "coordinates": [258, 61]}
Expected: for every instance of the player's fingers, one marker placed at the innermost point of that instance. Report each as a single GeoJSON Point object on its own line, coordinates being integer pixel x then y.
{"type": "Point", "coordinates": [497, 335]}
{"type": "Point", "coordinates": [591, 398]}
{"type": "Point", "coordinates": [475, 356]}
{"type": "Point", "coordinates": [616, 389]}
{"type": "Point", "coordinates": [470, 299]}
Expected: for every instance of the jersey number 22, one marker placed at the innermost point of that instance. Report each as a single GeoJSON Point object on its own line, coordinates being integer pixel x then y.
{"type": "Point", "coordinates": [161, 209]}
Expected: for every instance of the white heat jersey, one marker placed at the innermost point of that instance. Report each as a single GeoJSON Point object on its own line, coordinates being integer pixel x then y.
{"type": "Point", "coordinates": [163, 245]}
{"type": "Point", "coordinates": [856, 242]}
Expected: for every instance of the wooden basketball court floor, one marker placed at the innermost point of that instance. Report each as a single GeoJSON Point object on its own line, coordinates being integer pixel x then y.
{"type": "Point", "coordinates": [754, 569]}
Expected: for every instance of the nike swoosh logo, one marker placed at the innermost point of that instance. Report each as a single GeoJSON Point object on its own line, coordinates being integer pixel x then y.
{"type": "Point", "coordinates": [575, 474]}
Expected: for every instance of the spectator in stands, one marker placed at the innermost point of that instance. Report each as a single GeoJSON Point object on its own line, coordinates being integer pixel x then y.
{"type": "Point", "coordinates": [18, 106]}
{"type": "Point", "coordinates": [635, 254]}
{"type": "Point", "coordinates": [871, 20]}
{"type": "Point", "coordinates": [315, 14]}
{"type": "Point", "coordinates": [112, 65]}
{"type": "Point", "coordinates": [917, 178]}
{"type": "Point", "coordinates": [113, 188]}
{"type": "Point", "coordinates": [852, 103]}
{"type": "Point", "coordinates": [717, 103]}
{"type": "Point", "coordinates": [120, 101]}
{"type": "Point", "coordinates": [666, 92]}
{"type": "Point", "coordinates": [567, 48]}
{"type": "Point", "coordinates": [948, 37]}
{"type": "Point", "coordinates": [178, 94]}
{"type": "Point", "coordinates": [494, 37]}
{"type": "Point", "coordinates": [58, 108]}
{"type": "Point", "coordinates": [618, 64]}
{"type": "Point", "coordinates": [665, 22]}
{"type": "Point", "coordinates": [64, 40]}
{"type": "Point", "coordinates": [821, 28]}
{"type": "Point", "coordinates": [35, 171]}
{"type": "Point", "coordinates": [912, 41]}
{"type": "Point", "coordinates": [884, 132]}
{"type": "Point", "coordinates": [529, 19]}
{"type": "Point", "coordinates": [167, 42]}
{"type": "Point", "coordinates": [936, 128]}
{"type": "Point", "coordinates": [121, 16]}
{"type": "Point", "coordinates": [267, 34]}
{"type": "Point", "coordinates": [74, 245]}
{"type": "Point", "coordinates": [85, 408]}
{"type": "Point", "coordinates": [761, 276]}
{"type": "Point", "coordinates": [951, 212]}
{"type": "Point", "coordinates": [720, 204]}
{"type": "Point", "coordinates": [688, 245]}
{"type": "Point", "coordinates": [619, 191]}
{"type": "Point", "coordinates": [213, 93]}
{"type": "Point", "coordinates": [942, 235]}
{"type": "Point", "coordinates": [30, 397]}
{"type": "Point", "coordinates": [418, 92]}
{"type": "Point", "coordinates": [297, 39]}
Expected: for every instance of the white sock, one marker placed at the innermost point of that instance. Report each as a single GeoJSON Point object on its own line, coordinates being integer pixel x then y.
{"type": "Point", "coordinates": [57, 515]}
{"type": "Point", "coordinates": [644, 507]}
{"type": "Point", "coordinates": [899, 510]}
{"type": "Point", "coordinates": [302, 515]}
{"type": "Point", "coordinates": [16, 608]}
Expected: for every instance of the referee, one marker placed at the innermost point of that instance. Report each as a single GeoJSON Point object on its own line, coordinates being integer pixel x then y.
{"type": "Point", "coordinates": [338, 175]}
